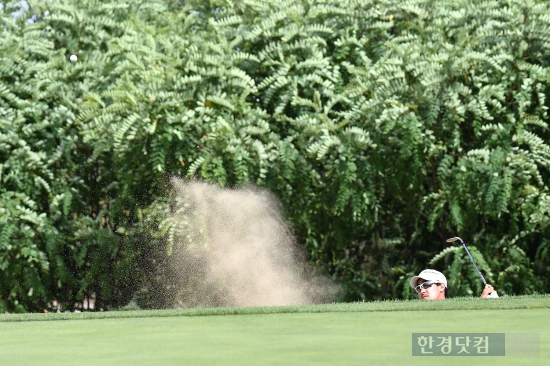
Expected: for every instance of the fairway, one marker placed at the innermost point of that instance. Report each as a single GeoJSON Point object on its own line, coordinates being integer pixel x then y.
{"type": "Point", "coordinates": [334, 337]}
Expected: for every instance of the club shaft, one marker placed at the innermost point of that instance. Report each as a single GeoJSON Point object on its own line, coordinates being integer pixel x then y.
{"type": "Point", "coordinates": [474, 262]}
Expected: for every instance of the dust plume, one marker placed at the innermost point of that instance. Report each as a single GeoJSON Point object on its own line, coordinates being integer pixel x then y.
{"type": "Point", "coordinates": [231, 247]}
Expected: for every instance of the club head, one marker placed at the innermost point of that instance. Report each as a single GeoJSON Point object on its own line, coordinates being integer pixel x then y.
{"type": "Point", "coordinates": [454, 239]}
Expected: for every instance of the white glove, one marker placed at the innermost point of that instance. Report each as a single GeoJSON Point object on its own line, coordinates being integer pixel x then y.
{"type": "Point", "coordinates": [492, 295]}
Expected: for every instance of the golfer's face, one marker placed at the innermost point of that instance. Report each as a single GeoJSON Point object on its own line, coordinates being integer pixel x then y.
{"type": "Point", "coordinates": [434, 292]}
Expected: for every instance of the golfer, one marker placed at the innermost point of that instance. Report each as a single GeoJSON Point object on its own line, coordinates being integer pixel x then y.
{"type": "Point", "coordinates": [432, 285]}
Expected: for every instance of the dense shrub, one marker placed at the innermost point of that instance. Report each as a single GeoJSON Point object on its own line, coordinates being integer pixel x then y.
{"type": "Point", "coordinates": [383, 126]}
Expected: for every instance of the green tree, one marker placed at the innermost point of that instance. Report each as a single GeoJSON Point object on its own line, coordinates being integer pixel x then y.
{"type": "Point", "coordinates": [385, 127]}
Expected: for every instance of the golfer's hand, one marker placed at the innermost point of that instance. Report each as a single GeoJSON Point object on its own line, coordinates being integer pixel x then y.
{"type": "Point", "coordinates": [487, 290]}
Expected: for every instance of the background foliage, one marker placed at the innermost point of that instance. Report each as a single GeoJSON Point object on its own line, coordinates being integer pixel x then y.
{"type": "Point", "coordinates": [384, 127]}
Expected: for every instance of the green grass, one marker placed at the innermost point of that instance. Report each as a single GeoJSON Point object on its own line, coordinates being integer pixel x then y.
{"type": "Point", "coordinates": [377, 333]}
{"type": "Point", "coordinates": [461, 303]}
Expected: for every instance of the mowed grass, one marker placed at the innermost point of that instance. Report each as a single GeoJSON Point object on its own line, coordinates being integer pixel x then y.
{"type": "Point", "coordinates": [377, 333]}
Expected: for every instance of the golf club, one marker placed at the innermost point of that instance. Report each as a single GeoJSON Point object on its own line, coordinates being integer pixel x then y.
{"type": "Point", "coordinates": [471, 258]}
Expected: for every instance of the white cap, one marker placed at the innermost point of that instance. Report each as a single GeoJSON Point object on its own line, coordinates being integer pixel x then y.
{"type": "Point", "coordinates": [429, 275]}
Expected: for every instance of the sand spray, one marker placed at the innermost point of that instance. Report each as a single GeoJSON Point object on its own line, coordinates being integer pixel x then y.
{"type": "Point", "coordinates": [232, 247]}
